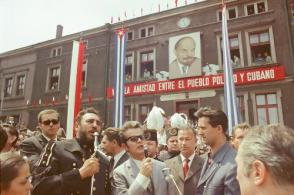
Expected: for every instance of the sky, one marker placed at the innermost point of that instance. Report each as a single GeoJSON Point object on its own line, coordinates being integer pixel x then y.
{"type": "Point", "coordinates": [26, 22]}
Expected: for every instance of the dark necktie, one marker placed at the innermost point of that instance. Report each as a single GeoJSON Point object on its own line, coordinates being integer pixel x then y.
{"type": "Point", "coordinates": [186, 166]}
{"type": "Point", "coordinates": [111, 164]}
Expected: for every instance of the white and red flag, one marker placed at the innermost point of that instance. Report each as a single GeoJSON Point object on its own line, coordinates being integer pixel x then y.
{"type": "Point", "coordinates": [75, 84]}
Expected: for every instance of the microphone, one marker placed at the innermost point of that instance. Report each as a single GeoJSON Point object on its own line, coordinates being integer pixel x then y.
{"type": "Point", "coordinates": [146, 151]}
{"type": "Point", "coordinates": [168, 176]}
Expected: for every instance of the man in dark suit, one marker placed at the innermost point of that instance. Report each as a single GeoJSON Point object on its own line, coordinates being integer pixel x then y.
{"type": "Point", "coordinates": [186, 64]}
{"type": "Point", "coordinates": [138, 175]}
{"type": "Point", "coordinates": [111, 145]}
{"type": "Point", "coordinates": [219, 172]}
{"type": "Point", "coordinates": [186, 167]}
{"type": "Point", "coordinates": [67, 167]}
{"type": "Point", "coordinates": [49, 124]}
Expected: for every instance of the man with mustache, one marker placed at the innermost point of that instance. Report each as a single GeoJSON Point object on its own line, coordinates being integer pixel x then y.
{"type": "Point", "coordinates": [186, 64]}
{"type": "Point", "coordinates": [67, 167]}
{"type": "Point", "coordinates": [138, 175]}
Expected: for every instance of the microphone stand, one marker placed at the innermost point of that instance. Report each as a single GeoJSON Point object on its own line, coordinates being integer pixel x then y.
{"type": "Point", "coordinates": [96, 149]}
{"type": "Point", "coordinates": [168, 175]}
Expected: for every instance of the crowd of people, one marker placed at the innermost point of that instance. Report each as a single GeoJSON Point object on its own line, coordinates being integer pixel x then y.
{"type": "Point", "coordinates": [163, 156]}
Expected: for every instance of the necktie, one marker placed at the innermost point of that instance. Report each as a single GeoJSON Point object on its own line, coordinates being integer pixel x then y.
{"type": "Point", "coordinates": [111, 164]}
{"type": "Point", "coordinates": [184, 68]}
{"type": "Point", "coordinates": [186, 166]}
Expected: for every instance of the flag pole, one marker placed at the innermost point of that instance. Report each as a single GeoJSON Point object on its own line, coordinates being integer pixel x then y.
{"type": "Point", "coordinates": [231, 107]}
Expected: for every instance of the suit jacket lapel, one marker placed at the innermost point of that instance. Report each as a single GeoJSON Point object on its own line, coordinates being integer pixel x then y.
{"type": "Point", "coordinates": [133, 168]}
{"type": "Point", "coordinates": [195, 167]}
{"type": "Point", "coordinates": [179, 167]}
{"type": "Point", "coordinates": [122, 159]}
{"type": "Point", "coordinates": [207, 172]}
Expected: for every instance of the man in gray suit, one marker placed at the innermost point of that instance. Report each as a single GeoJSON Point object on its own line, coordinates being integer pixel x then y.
{"type": "Point", "coordinates": [186, 64]}
{"type": "Point", "coordinates": [186, 167]}
{"type": "Point", "coordinates": [219, 172]}
{"type": "Point", "coordinates": [138, 175]}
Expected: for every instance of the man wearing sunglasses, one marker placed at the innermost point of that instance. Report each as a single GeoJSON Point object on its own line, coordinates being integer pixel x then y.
{"type": "Point", "coordinates": [138, 175]}
{"type": "Point", "coordinates": [69, 167]}
{"type": "Point", "coordinates": [49, 124]}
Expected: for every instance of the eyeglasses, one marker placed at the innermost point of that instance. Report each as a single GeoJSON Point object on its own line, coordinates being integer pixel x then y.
{"type": "Point", "coordinates": [135, 138]}
{"type": "Point", "coordinates": [48, 122]}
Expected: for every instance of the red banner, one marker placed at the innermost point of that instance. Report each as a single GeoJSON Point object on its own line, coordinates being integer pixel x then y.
{"type": "Point", "coordinates": [242, 77]}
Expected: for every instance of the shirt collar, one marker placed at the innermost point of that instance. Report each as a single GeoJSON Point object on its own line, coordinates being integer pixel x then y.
{"type": "Point", "coordinates": [190, 158]}
{"type": "Point", "coordinates": [182, 65]}
{"type": "Point", "coordinates": [48, 139]}
{"type": "Point", "coordinates": [118, 156]}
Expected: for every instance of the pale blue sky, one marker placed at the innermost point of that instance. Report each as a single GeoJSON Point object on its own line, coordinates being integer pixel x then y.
{"type": "Point", "coordinates": [26, 22]}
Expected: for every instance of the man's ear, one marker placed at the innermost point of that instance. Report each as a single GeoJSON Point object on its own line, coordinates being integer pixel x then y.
{"type": "Point", "coordinates": [76, 127]}
{"type": "Point", "coordinates": [259, 172]}
{"type": "Point", "coordinates": [124, 146]}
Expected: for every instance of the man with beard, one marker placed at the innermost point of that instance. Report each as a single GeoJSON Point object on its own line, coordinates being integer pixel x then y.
{"type": "Point", "coordinates": [172, 145]}
{"type": "Point", "coordinates": [138, 175]}
{"type": "Point", "coordinates": [186, 64]}
{"type": "Point", "coordinates": [67, 167]}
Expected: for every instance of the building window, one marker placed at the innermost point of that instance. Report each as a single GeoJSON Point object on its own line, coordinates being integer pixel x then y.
{"type": "Point", "coordinates": [20, 84]}
{"type": "Point", "coordinates": [260, 47]}
{"type": "Point", "coordinates": [189, 108]}
{"type": "Point", "coordinates": [241, 107]}
{"type": "Point", "coordinates": [84, 73]}
{"type": "Point", "coordinates": [144, 109]}
{"type": "Point", "coordinates": [231, 13]}
{"type": "Point", "coordinates": [146, 64]}
{"type": "Point", "coordinates": [130, 35]}
{"type": "Point", "coordinates": [236, 57]}
{"type": "Point", "coordinates": [54, 78]}
{"type": "Point", "coordinates": [129, 61]}
{"type": "Point", "coordinates": [128, 112]}
{"type": "Point", "coordinates": [255, 8]}
{"type": "Point", "coordinates": [267, 108]}
{"type": "Point", "coordinates": [8, 87]}
{"type": "Point", "coordinates": [57, 51]}
{"type": "Point", "coordinates": [146, 32]}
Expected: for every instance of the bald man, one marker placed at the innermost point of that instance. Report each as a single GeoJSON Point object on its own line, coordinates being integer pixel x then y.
{"type": "Point", "coordinates": [186, 64]}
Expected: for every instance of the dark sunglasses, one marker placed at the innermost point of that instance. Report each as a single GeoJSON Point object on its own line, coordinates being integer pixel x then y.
{"type": "Point", "coordinates": [48, 122]}
{"type": "Point", "coordinates": [135, 138]}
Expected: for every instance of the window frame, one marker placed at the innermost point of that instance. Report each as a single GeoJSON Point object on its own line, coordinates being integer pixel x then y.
{"type": "Point", "coordinates": [12, 77]}
{"type": "Point", "coordinates": [139, 77]}
{"type": "Point", "coordinates": [219, 13]}
{"type": "Point", "coordinates": [131, 111]}
{"type": "Point", "coordinates": [138, 115]}
{"type": "Point", "coordinates": [219, 48]}
{"type": "Point", "coordinates": [146, 31]}
{"type": "Point", "coordinates": [131, 53]}
{"type": "Point", "coordinates": [278, 93]}
{"type": "Point", "coordinates": [48, 78]}
{"type": "Point", "coordinates": [133, 33]}
{"type": "Point", "coordinates": [17, 84]}
{"type": "Point", "coordinates": [271, 39]}
{"type": "Point", "coordinates": [246, 108]}
{"type": "Point", "coordinates": [56, 49]}
{"type": "Point", "coordinates": [255, 7]}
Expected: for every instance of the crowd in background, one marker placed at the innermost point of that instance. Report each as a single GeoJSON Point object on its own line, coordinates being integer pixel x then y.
{"type": "Point", "coordinates": [165, 155]}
